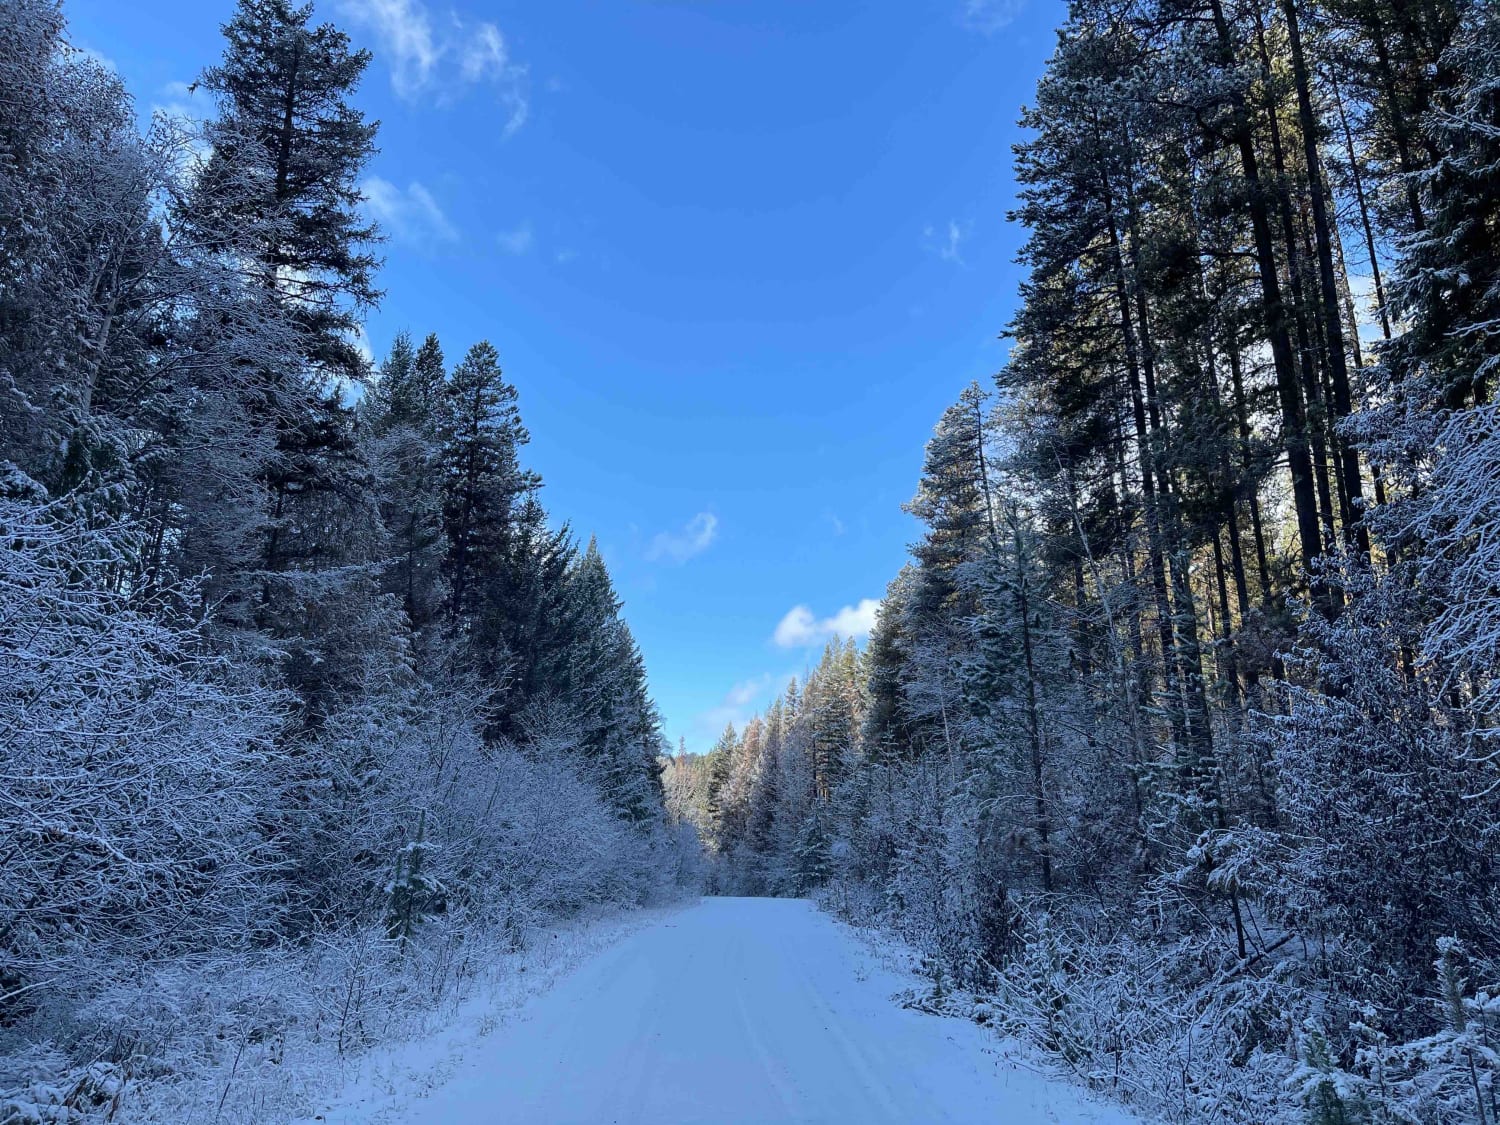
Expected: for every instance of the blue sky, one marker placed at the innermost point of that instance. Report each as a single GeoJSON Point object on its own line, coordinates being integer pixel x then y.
{"type": "Point", "coordinates": [737, 256]}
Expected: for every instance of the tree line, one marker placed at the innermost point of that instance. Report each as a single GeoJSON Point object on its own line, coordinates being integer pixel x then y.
{"type": "Point", "coordinates": [293, 657]}
{"type": "Point", "coordinates": [1174, 742]}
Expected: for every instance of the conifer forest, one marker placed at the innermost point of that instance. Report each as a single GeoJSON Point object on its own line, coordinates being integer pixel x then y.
{"type": "Point", "coordinates": [1172, 756]}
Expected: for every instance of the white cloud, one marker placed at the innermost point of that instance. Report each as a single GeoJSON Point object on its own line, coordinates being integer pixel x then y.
{"type": "Point", "coordinates": [739, 705]}
{"type": "Point", "coordinates": [179, 105]}
{"type": "Point", "coordinates": [485, 58]}
{"type": "Point", "coordinates": [801, 628]}
{"type": "Point", "coordinates": [747, 692]}
{"type": "Point", "coordinates": [517, 241]}
{"type": "Point", "coordinates": [484, 55]}
{"type": "Point", "coordinates": [989, 16]}
{"type": "Point", "coordinates": [361, 341]}
{"type": "Point", "coordinates": [443, 61]}
{"type": "Point", "coordinates": [98, 58]}
{"type": "Point", "coordinates": [798, 627]}
{"type": "Point", "coordinates": [412, 214]}
{"type": "Point", "coordinates": [694, 538]}
{"type": "Point", "coordinates": [405, 34]}
{"type": "Point", "coordinates": [175, 98]}
{"type": "Point", "coordinates": [947, 242]}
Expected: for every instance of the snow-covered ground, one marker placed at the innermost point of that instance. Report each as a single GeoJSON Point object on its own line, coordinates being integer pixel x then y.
{"type": "Point", "coordinates": [733, 1010]}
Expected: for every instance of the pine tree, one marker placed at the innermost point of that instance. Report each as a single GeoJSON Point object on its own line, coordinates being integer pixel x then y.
{"type": "Point", "coordinates": [483, 482]}
{"type": "Point", "coordinates": [887, 731]}
{"type": "Point", "coordinates": [1446, 291]}
{"type": "Point", "coordinates": [288, 151]}
{"type": "Point", "coordinates": [403, 420]}
{"type": "Point", "coordinates": [952, 503]}
{"type": "Point", "coordinates": [224, 744]}
{"type": "Point", "coordinates": [602, 679]}
{"type": "Point", "coordinates": [429, 375]}
{"type": "Point", "coordinates": [279, 193]}
{"type": "Point", "coordinates": [720, 767]}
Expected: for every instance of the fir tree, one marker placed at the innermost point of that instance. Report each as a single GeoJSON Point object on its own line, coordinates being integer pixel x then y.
{"type": "Point", "coordinates": [483, 482]}
{"type": "Point", "coordinates": [288, 150]}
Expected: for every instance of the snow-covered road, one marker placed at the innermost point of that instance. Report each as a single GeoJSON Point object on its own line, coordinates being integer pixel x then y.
{"type": "Point", "coordinates": [741, 1010]}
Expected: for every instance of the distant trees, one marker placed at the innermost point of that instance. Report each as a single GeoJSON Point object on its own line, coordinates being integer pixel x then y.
{"type": "Point", "coordinates": [756, 796]}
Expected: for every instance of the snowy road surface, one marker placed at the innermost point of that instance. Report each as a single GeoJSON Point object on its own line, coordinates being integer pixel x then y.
{"type": "Point", "coordinates": [734, 1011]}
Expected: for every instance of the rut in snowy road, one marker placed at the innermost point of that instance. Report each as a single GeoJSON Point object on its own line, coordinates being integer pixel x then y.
{"type": "Point", "coordinates": [741, 1010]}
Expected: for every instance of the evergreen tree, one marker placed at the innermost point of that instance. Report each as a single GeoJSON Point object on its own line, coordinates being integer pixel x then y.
{"type": "Point", "coordinates": [602, 678]}
{"type": "Point", "coordinates": [483, 482]}
{"type": "Point", "coordinates": [279, 192]}
{"type": "Point", "coordinates": [228, 753]}
{"type": "Point", "coordinates": [720, 768]}
{"type": "Point", "coordinates": [1446, 293]}
{"type": "Point", "coordinates": [403, 419]}
{"type": "Point", "coordinates": [288, 151]}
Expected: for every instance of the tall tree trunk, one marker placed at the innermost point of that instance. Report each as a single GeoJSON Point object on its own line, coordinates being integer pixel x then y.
{"type": "Point", "coordinates": [1187, 648]}
{"type": "Point", "coordinates": [1294, 420]}
{"type": "Point", "coordinates": [1242, 417]}
{"type": "Point", "coordinates": [1230, 674]}
{"type": "Point", "coordinates": [1357, 536]}
{"type": "Point", "coordinates": [1033, 719]}
{"type": "Point", "coordinates": [1358, 181]}
{"type": "Point", "coordinates": [1306, 353]}
{"type": "Point", "coordinates": [1400, 129]}
{"type": "Point", "coordinates": [1148, 482]}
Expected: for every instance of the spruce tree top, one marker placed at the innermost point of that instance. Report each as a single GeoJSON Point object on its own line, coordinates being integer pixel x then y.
{"type": "Point", "coordinates": [288, 149]}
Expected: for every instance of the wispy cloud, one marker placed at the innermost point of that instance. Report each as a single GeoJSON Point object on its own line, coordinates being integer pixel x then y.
{"type": "Point", "coordinates": [410, 214]}
{"type": "Point", "coordinates": [361, 341]}
{"type": "Point", "coordinates": [801, 627]}
{"type": "Point", "coordinates": [693, 538]}
{"type": "Point", "coordinates": [98, 58]}
{"type": "Point", "coordinates": [176, 100]}
{"type": "Point", "coordinates": [947, 241]}
{"type": "Point", "coordinates": [485, 58]}
{"type": "Point", "coordinates": [739, 705]}
{"type": "Point", "coordinates": [443, 60]}
{"type": "Point", "coordinates": [989, 16]}
{"type": "Point", "coordinates": [517, 241]}
{"type": "Point", "coordinates": [406, 38]}
{"type": "Point", "coordinates": [747, 692]}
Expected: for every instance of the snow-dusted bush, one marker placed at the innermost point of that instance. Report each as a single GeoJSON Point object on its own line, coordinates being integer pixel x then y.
{"type": "Point", "coordinates": [150, 841]}
{"type": "Point", "coordinates": [458, 855]}
{"type": "Point", "coordinates": [134, 766]}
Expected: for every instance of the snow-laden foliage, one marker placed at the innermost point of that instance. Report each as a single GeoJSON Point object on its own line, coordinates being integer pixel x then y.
{"type": "Point", "coordinates": [135, 772]}
{"type": "Point", "coordinates": [308, 714]}
{"type": "Point", "coordinates": [1173, 748]}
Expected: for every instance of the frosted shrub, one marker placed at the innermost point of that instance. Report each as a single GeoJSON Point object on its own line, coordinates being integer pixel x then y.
{"type": "Point", "coordinates": [141, 783]}
{"type": "Point", "coordinates": [1329, 1094]}
{"type": "Point", "coordinates": [135, 767]}
{"type": "Point", "coordinates": [1450, 1077]}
